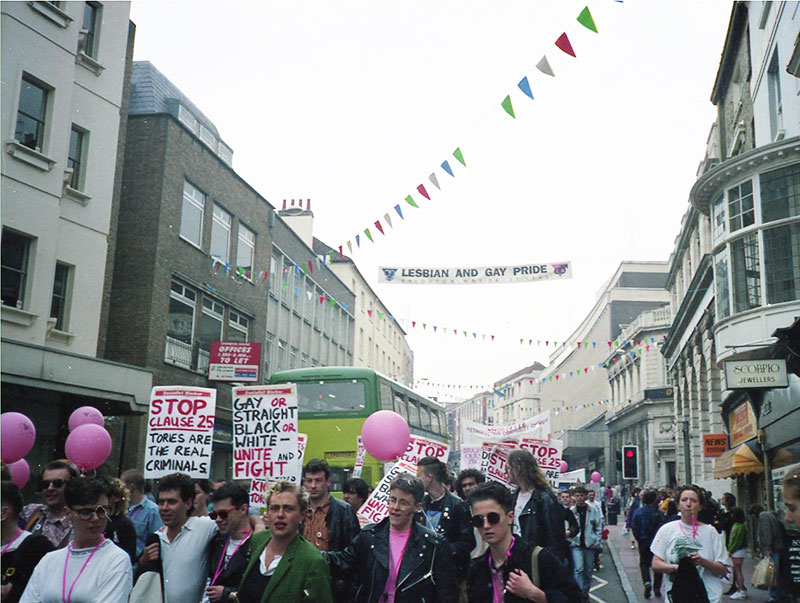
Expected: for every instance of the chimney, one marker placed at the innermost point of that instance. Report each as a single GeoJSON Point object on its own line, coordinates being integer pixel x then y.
{"type": "Point", "coordinates": [284, 204]}
{"type": "Point", "coordinates": [299, 219]}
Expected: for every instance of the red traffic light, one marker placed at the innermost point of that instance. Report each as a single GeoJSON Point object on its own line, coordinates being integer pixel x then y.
{"type": "Point", "coordinates": [629, 454]}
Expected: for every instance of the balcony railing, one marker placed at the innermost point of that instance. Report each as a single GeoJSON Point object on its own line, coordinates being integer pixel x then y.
{"type": "Point", "coordinates": [189, 356]}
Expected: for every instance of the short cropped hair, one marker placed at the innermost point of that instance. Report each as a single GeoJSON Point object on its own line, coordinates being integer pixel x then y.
{"type": "Point", "coordinates": [410, 484]}
{"type": "Point", "coordinates": [238, 494]}
{"type": "Point", "coordinates": [434, 467]}
{"type": "Point", "coordinates": [283, 486]}
{"type": "Point", "coordinates": [649, 497]}
{"type": "Point", "coordinates": [492, 490]}
{"type": "Point", "coordinates": [317, 466]}
{"type": "Point", "coordinates": [85, 491]}
{"type": "Point", "coordinates": [11, 497]}
{"type": "Point", "coordinates": [134, 477]}
{"type": "Point", "coordinates": [180, 482]}
{"type": "Point", "coordinates": [357, 486]}
{"type": "Point", "coordinates": [55, 465]}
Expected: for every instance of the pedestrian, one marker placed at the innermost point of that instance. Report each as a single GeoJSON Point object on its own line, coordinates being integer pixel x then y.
{"type": "Point", "coordinates": [228, 551]}
{"type": "Point", "coordinates": [672, 512]}
{"type": "Point", "coordinates": [21, 549]}
{"type": "Point", "coordinates": [329, 523]}
{"type": "Point", "coordinates": [142, 511]}
{"type": "Point", "coordinates": [467, 480]}
{"type": "Point", "coordinates": [182, 542]}
{"type": "Point", "coordinates": [120, 529]}
{"type": "Point", "coordinates": [202, 490]}
{"type": "Point", "coordinates": [282, 565]}
{"type": "Point", "coordinates": [699, 543]}
{"type": "Point", "coordinates": [354, 492]}
{"type": "Point", "coordinates": [537, 512]}
{"type": "Point", "coordinates": [737, 549]}
{"type": "Point", "coordinates": [90, 569]}
{"type": "Point", "coordinates": [52, 517]}
{"type": "Point", "coordinates": [791, 499]}
{"type": "Point", "coordinates": [399, 560]}
{"type": "Point", "coordinates": [587, 542]}
{"type": "Point", "coordinates": [646, 522]}
{"type": "Point", "coordinates": [635, 504]}
{"type": "Point", "coordinates": [723, 521]}
{"type": "Point", "coordinates": [570, 523]}
{"type": "Point", "coordinates": [511, 570]}
{"type": "Point", "coordinates": [770, 540]}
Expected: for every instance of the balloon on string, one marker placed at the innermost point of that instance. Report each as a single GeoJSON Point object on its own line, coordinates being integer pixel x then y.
{"type": "Point", "coordinates": [84, 415]}
{"type": "Point", "coordinates": [20, 472]}
{"type": "Point", "coordinates": [88, 446]}
{"type": "Point", "coordinates": [17, 435]}
{"type": "Point", "coordinates": [385, 435]}
{"type": "Point", "coordinates": [563, 466]}
{"type": "Point", "coordinates": [596, 477]}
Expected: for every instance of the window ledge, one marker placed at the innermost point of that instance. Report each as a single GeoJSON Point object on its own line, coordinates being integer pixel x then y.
{"type": "Point", "coordinates": [60, 336]}
{"type": "Point", "coordinates": [84, 60]}
{"type": "Point", "coordinates": [38, 160]}
{"type": "Point", "coordinates": [76, 195]}
{"type": "Point", "coordinates": [55, 14]}
{"type": "Point", "coordinates": [18, 316]}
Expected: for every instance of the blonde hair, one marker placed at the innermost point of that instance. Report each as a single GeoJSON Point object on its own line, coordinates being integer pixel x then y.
{"type": "Point", "coordinates": [283, 486]}
{"type": "Point", "coordinates": [118, 489]}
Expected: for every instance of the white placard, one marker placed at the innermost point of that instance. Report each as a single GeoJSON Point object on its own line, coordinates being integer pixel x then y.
{"type": "Point", "coordinates": [360, 456]}
{"type": "Point", "coordinates": [420, 447]}
{"type": "Point", "coordinates": [471, 456]}
{"type": "Point", "coordinates": [180, 431]}
{"type": "Point", "coordinates": [375, 508]}
{"type": "Point", "coordinates": [496, 466]}
{"type": "Point", "coordinates": [258, 493]}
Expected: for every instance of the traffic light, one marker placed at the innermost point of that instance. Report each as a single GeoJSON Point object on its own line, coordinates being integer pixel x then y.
{"type": "Point", "coordinates": [619, 461]}
{"type": "Point", "coordinates": [630, 462]}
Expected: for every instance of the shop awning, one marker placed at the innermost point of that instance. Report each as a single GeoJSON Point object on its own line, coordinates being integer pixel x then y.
{"type": "Point", "coordinates": [737, 461]}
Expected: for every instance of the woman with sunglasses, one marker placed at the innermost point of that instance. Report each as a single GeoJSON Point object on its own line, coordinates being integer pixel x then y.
{"type": "Point", "coordinates": [506, 572]}
{"type": "Point", "coordinates": [91, 568]}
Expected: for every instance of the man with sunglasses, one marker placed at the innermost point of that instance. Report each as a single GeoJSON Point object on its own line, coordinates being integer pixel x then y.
{"type": "Point", "coordinates": [228, 551]}
{"type": "Point", "coordinates": [51, 517]}
{"type": "Point", "coordinates": [91, 568]}
{"type": "Point", "coordinates": [506, 572]}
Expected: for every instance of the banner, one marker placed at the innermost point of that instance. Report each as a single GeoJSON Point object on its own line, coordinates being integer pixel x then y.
{"type": "Point", "coordinates": [231, 361]}
{"type": "Point", "coordinates": [470, 456]}
{"type": "Point", "coordinates": [573, 477]}
{"type": "Point", "coordinates": [474, 276]}
{"type": "Point", "coordinates": [536, 427]}
{"type": "Point", "coordinates": [547, 454]}
{"type": "Point", "coordinates": [360, 456]}
{"type": "Point", "coordinates": [420, 447]}
{"type": "Point", "coordinates": [265, 443]}
{"type": "Point", "coordinates": [180, 429]}
{"type": "Point", "coordinates": [376, 507]}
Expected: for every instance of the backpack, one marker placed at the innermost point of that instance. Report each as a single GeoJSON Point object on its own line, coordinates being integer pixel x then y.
{"type": "Point", "coordinates": [535, 566]}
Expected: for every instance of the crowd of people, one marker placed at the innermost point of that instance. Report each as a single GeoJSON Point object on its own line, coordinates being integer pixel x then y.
{"type": "Point", "coordinates": [445, 539]}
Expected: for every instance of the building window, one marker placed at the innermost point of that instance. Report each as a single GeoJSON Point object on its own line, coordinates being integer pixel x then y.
{"type": "Point", "coordinates": [740, 206]}
{"type": "Point", "coordinates": [187, 118]}
{"type": "Point", "coordinates": [746, 272]}
{"type": "Point", "coordinates": [245, 252]}
{"type": "Point", "coordinates": [58, 305]}
{"type": "Point", "coordinates": [91, 19]}
{"type": "Point", "coordinates": [180, 326]}
{"type": "Point", "coordinates": [225, 153]}
{"type": "Point", "coordinates": [192, 214]}
{"type": "Point", "coordinates": [718, 221]}
{"type": "Point", "coordinates": [220, 234]}
{"type": "Point", "coordinates": [721, 280]}
{"type": "Point", "coordinates": [209, 329]}
{"type": "Point", "coordinates": [775, 100]}
{"type": "Point", "coordinates": [207, 136]}
{"type": "Point", "coordinates": [31, 114]}
{"type": "Point", "coordinates": [780, 193]}
{"type": "Point", "coordinates": [15, 254]}
{"type": "Point", "coordinates": [782, 263]}
{"type": "Point", "coordinates": [238, 327]}
{"type": "Point", "coordinates": [75, 157]}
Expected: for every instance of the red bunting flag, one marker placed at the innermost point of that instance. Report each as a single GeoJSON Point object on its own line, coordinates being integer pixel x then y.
{"type": "Point", "coordinates": [423, 192]}
{"type": "Point", "coordinates": [341, 253]}
{"type": "Point", "coordinates": [563, 44]}
{"type": "Point", "coordinates": [413, 323]}
{"type": "Point", "coordinates": [492, 337]}
{"type": "Point", "coordinates": [321, 299]}
{"type": "Point", "coordinates": [370, 313]}
{"type": "Point", "coordinates": [310, 267]}
{"type": "Point", "coordinates": [379, 227]}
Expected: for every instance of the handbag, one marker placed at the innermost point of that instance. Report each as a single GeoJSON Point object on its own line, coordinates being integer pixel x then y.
{"type": "Point", "coordinates": [764, 574]}
{"type": "Point", "coordinates": [147, 589]}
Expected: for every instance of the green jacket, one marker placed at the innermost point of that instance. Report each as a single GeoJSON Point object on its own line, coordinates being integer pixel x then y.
{"type": "Point", "coordinates": [301, 575]}
{"type": "Point", "coordinates": [738, 538]}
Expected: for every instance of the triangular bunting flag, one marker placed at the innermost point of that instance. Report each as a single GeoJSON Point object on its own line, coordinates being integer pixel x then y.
{"type": "Point", "coordinates": [585, 19]}
{"type": "Point", "coordinates": [525, 86]}
{"type": "Point", "coordinates": [544, 67]}
{"type": "Point", "coordinates": [423, 192]}
{"type": "Point", "coordinates": [435, 181]}
{"type": "Point", "coordinates": [457, 154]}
{"type": "Point", "coordinates": [358, 240]}
{"type": "Point", "coordinates": [411, 202]}
{"type": "Point", "coordinates": [506, 104]}
{"type": "Point", "coordinates": [333, 303]}
{"type": "Point", "coordinates": [309, 295]}
{"type": "Point", "coordinates": [310, 267]}
{"type": "Point", "coordinates": [370, 313]}
{"type": "Point", "coordinates": [388, 220]}
{"type": "Point", "coordinates": [350, 247]}
{"type": "Point", "coordinates": [563, 44]}
{"type": "Point", "coordinates": [369, 234]}
{"type": "Point", "coordinates": [399, 211]}
{"type": "Point", "coordinates": [341, 253]}
{"type": "Point", "coordinates": [378, 226]}
{"type": "Point", "coordinates": [446, 167]}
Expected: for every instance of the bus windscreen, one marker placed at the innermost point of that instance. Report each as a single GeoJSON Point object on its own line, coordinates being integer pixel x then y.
{"type": "Point", "coordinates": [331, 396]}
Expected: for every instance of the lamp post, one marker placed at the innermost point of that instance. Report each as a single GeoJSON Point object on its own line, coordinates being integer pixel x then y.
{"type": "Point", "coordinates": [686, 457]}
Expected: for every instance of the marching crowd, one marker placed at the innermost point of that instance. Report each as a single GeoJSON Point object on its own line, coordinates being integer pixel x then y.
{"type": "Point", "coordinates": [106, 540]}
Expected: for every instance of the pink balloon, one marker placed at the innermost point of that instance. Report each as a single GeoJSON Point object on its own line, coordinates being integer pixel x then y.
{"type": "Point", "coordinates": [20, 473]}
{"type": "Point", "coordinates": [385, 435]}
{"type": "Point", "coordinates": [88, 446]}
{"type": "Point", "coordinates": [564, 466]}
{"type": "Point", "coordinates": [596, 476]}
{"type": "Point", "coordinates": [84, 415]}
{"type": "Point", "coordinates": [17, 435]}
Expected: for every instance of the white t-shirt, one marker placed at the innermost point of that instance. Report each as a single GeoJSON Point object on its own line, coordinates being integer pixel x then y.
{"type": "Point", "coordinates": [713, 549]}
{"type": "Point", "coordinates": [185, 559]}
{"type": "Point", "coordinates": [107, 578]}
{"type": "Point", "coordinates": [522, 500]}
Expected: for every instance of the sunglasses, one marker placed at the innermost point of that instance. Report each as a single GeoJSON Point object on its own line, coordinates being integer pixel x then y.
{"type": "Point", "coordinates": [56, 483]}
{"type": "Point", "coordinates": [87, 514]}
{"type": "Point", "coordinates": [493, 518]}
{"type": "Point", "coordinates": [222, 513]}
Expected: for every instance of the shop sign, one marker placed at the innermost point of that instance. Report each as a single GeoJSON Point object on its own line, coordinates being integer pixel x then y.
{"type": "Point", "coordinates": [742, 424]}
{"type": "Point", "coordinates": [234, 361]}
{"type": "Point", "coordinates": [714, 444]}
{"type": "Point", "coordinates": [749, 374]}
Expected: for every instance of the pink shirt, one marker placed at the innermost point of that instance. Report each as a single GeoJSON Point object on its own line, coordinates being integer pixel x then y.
{"type": "Point", "coordinates": [397, 546]}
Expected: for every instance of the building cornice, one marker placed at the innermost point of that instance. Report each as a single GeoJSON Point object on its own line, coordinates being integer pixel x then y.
{"type": "Point", "coordinates": [703, 279]}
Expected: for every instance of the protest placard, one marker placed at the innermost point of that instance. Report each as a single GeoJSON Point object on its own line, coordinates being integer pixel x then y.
{"type": "Point", "coordinates": [420, 447]}
{"type": "Point", "coordinates": [536, 427]}
{"type": "Point", "coordinates": [471, 456]}
{"type": "Point", "coordinates": [360, 456]}
{"type": "Point", "coordinates": [496, 466]}
{"type": "Point", "coordinates": [265, 443]}
{"type": "Point", "coordinates": [488, 447]}
{"type": "Point", "coordinates": [258, 493]}
{"type": "Point", "coordinates": [375, 508]}
{"type": "Point", "coordinates": [180, 429]}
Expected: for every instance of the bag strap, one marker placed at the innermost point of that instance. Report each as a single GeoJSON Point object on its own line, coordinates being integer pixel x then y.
{"type": "Point", "coordinates": [535, 566]}
{"type": "Point", "coordinates": [32, 521]}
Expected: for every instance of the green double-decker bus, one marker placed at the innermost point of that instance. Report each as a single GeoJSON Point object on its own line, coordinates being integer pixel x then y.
{"type": "Point", "coordinates": [333, 403]}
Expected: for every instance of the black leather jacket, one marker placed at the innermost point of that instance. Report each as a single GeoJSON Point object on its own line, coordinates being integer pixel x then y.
{"type": "Point", "coordinates": [427, 574]}
{"type": "Point", "coordinates": [231, 574]}
{"type": "Point", "coordinates": [343, 527]}
{"type": "Point", "coordinates": [455, 528]}
{"type": "Point", "coordinates": [542, 523]}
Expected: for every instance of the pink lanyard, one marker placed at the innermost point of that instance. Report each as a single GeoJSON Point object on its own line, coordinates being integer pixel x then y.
{"type": "Point", "coordinates": [491, 568]}
{"type": "Point", "coordinates": [220, 567]}
{"type": "Point", "coordinates": [66, 598]}
{"type": "Point", "coordinates": [5, 548]}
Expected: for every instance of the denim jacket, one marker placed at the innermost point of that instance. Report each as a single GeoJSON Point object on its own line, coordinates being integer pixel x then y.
{"type": "Point", "coordinates": [593, 527]}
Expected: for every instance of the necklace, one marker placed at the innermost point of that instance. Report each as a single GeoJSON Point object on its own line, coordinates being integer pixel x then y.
{"type": "Point", "coordinates": [5, 548]}
{"type": "Point", "coordinates": [66, 598]}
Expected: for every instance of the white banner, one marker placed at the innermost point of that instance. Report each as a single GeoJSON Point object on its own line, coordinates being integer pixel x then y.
{"type": "Point", "coordinates": [468, 276]}
{"type": "Point", "coordinates": [265, 443]}
{"type": "Point", "coordinates": [420, 447]}
{"type": "Point", "coordinates": [573, 477]}
{"type": "Point", "coordinates": [537, 427]}
{"type": "Point", "coordinates": [375, 508]}
{"type": "Point", "coordinates": [180, 429]}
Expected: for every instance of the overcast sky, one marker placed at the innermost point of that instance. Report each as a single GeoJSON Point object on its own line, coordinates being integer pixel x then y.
{"type": "Point", "coordinates": [354, 103]}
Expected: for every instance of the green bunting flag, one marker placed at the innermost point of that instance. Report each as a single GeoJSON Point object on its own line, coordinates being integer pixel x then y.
{"type": "Point", "coordinates": [506, 104]}
{"type": "Point", "coordinates": [369, 234]}
{"type": "Point", "coordinates": [411, 201]}
{"type": "Point", "coordinates": [585, 19]}
{"type": "Point", "coordinates": [457, 154]}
